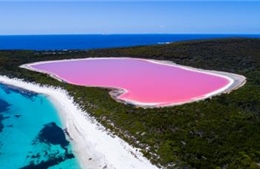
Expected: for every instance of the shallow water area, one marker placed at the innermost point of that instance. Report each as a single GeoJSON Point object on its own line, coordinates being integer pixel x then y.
{"type": "Point", "coordinates": [31, 133]}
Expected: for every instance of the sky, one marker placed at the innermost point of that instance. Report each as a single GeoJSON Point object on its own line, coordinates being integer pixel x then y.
{"type": "Point", "coordinates": [129, 17]}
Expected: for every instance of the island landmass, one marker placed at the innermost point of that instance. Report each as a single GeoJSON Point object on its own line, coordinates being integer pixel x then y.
{"type": "Point", "coordinates": [220, 132]}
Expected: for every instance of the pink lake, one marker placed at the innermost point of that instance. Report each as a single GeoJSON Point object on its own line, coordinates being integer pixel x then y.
{"type": "Point", "coordinates": [145, 82]}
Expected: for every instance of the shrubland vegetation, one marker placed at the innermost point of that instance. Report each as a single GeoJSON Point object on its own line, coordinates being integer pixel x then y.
{"type": "Point", "coordinates": [222, 132]}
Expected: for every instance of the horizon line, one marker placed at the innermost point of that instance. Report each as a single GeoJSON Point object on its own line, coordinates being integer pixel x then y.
{"type": "Point", "coordinates": [190, 33]}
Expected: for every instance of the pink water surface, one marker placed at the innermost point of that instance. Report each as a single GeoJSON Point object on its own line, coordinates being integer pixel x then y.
{"type": "Point", "coordinates": [145, 81]}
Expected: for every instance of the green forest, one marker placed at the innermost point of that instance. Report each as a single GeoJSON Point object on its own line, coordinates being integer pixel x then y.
{"type": "Point", "coordinates": [221, 132]}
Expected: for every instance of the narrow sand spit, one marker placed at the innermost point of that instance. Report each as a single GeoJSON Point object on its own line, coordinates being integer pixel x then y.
{"type": "Point", "coordinates": [94, 147]}
{"type": "Point", "coordinates": [235, 81]}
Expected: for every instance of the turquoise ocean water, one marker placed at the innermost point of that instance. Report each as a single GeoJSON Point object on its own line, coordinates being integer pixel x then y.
{"type": "Point", "coordinates": [31, 134]}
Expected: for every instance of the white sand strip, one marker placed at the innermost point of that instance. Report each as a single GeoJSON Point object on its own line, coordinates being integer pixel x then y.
{"type": "Point", "coordinates": [94, 147]}
{"type": "Point", "coordinates": [235, 81]}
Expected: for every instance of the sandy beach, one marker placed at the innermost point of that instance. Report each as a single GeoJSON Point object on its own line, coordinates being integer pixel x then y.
{"type": "Point", "coordinates": [93, 145]}
{"type": "Point", "coordinates": [235, 81]}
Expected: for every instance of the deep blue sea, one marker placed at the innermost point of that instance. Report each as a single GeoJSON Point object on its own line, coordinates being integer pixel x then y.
{"type": "Point", "coordinates": [83, 42]}
{"type": "Point", "coordinates": [31, 133]}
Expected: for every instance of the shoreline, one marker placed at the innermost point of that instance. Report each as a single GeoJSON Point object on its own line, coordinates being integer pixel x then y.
{"type": "Point", "coordinates": [235, 81]}
{"type": "Point", "coordinates": [92, 144]}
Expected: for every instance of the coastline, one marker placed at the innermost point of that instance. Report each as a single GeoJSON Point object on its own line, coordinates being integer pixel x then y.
{"type": "Point", "coordinates": [94, 147]}
{"type": "Point", "coordinates": [235, 81]}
